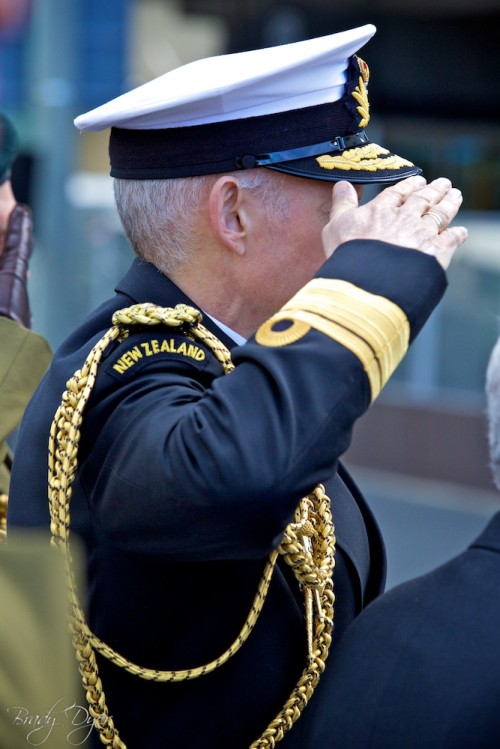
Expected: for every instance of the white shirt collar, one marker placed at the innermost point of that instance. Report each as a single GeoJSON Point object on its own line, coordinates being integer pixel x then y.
{"type": "Point", "coordinates": [236, 337]}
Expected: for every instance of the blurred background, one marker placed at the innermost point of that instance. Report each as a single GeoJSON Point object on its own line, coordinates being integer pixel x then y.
{"type": "Point", "coordinates": [420, 454]}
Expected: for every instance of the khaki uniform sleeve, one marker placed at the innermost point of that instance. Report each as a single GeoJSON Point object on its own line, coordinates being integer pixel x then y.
{"type": "Point", "coordinates": [25, 356]}
{"type": "Point", "coordinates": [40, 689]}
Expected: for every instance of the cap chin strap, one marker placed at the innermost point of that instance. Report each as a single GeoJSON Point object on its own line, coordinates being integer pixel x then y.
{"type": "Point", "coordinates": [307, 545]}
{"type": "Point", "coordinates": [338, 144]}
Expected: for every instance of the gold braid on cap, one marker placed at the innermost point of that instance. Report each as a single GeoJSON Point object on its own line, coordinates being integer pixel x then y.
{"type": "Point", "coordinates": [307, 545]}
{"type": "Point", "coordinates": [370, 157]}
{"type": "Point", "coordinates": [360, 93]}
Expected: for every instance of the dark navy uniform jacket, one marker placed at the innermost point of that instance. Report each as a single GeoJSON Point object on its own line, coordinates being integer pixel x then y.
{"type": "Point", "coordinates": [185, 483]}
{"type": "Point", "coordinates": [420, 667]}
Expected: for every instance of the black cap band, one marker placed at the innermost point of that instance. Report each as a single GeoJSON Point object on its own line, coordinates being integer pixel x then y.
{"type": "Point", "coordinates": [325, 142]}
{"type": "Point", "coordinates": [225, 146]}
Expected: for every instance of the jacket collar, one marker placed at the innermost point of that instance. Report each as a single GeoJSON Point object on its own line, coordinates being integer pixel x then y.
{"type": "Point", "coordinates": [143, 282]}
{"type": "Point", "coordinates": [490, 537]}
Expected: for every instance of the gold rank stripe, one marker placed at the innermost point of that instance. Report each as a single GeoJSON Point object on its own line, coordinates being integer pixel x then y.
{"type": "Point", "coordinates": [375, 329]}
{"type": "Point", "coordinates": [268, 337]}
{"type": "Point", "coordinates": [372, 323]}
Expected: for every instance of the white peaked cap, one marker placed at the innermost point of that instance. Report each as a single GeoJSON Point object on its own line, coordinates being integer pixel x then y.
{"type": "Point", "coordinates": [229, 87]}
{"type": "Point", "coordinates": [299, 108]}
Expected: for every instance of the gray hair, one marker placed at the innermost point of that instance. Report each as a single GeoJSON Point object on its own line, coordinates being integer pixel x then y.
{"type": "Point", "coordinates": [157, 215]}
{"type": "Point", "coordinates": [493, 405]}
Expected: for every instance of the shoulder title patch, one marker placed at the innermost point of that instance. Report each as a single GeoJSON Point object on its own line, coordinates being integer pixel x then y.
{"type": "Point", "coordinates": [143, 350]}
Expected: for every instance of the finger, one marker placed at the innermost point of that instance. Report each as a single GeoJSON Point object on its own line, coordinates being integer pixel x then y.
{"type": "Point", "coordinates": [397, 194]}
{"type": "Point", "coordinates": [344, 197]}
{"type": "Point", "coordinates": [442, 214]}
{"type": "Point", "coordinates": [439, 222]}
{"type": "Point", "coordinates": [446, 244]}
{"type": "Point", "coordinates": [429, 196]}
{"type": "Point", "coordinates": [426, 199]}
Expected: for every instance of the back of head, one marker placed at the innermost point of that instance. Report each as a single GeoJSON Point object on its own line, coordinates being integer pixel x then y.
{"type": "Point", "coordinates": [159, 216]}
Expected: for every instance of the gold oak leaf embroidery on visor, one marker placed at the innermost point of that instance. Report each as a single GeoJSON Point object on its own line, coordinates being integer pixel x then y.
{"type": "Point", "coordinates": [372, 327]}
{"type": "Point", "coordinates": [365, 159]}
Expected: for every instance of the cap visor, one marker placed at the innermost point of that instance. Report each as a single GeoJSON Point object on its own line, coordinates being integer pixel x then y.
{"type": "Point", "coordinates": [366, 164]}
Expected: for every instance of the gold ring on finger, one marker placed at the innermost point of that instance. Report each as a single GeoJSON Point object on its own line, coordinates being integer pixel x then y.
{"type": "Point", "coordinates": [437, 218]}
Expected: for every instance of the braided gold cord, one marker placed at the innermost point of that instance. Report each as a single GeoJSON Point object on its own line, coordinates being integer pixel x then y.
{"type": "Point", "coordinates": [308, 543]}
{"type": "Point", "coordinates": [3, 517]}
{"type": "Point", "coordinates": [312, 562]}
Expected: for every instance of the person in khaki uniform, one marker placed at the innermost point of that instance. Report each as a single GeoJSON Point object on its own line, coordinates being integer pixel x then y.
{"type": "Point", "coordinates": [40, 702]}
{"type": "Point", "coordinates": [25, 354]}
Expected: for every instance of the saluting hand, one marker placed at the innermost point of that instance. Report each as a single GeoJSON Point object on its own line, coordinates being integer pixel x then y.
{"type": "Point", "coordinates": [7, 205]}
{"type": "Point", "coordinates": [411, 214]}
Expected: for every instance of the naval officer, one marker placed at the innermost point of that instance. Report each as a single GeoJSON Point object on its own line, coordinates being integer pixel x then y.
{"type": "Point", "coordinates": [224, 538]}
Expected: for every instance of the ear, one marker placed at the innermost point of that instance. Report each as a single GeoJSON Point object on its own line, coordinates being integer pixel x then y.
{"type": "Point", "coordinates": [228, 213]}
